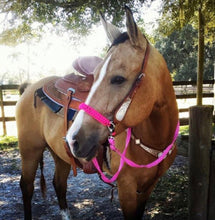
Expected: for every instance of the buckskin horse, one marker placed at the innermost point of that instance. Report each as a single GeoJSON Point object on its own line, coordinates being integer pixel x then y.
{"type": "Point", "coordinates": [131, 110]}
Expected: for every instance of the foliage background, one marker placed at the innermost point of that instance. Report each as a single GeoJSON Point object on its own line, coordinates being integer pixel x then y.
{"type": "Point", "coordinates": [175, 35]}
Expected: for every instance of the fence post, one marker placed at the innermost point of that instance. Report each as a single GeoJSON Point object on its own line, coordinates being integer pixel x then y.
{"type": "Point", "coordinates": [211, 199]}
{"type": "Point", "coordinates": [199, 161]}
{"type": "Point", "coordinates": [211, 195]}
{"type": "Point", "coordinates": [214, 86]}
{"type": "Point", "coordinates": [2, 112]}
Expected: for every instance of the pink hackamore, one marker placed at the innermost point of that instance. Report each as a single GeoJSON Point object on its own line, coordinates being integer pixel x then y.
{"type": "Point", "coordinates": [123, 159]}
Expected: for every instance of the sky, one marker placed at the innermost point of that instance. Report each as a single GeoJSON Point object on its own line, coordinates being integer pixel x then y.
{"type": "Point", "coordinates": [53, 54]}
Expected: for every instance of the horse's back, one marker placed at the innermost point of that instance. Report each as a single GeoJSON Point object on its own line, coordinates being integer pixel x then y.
{"type": "Point", "coordinates": [25, 105]}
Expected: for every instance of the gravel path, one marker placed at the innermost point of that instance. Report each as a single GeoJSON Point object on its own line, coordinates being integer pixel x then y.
{"type": "Point", "coordinates": [88, 197]}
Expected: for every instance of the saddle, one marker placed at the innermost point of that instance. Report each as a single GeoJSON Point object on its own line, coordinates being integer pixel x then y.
{"type": "Point", "coordinates": [79, 83]}
{"type": "Point", "coordinates": [58, 90]}
{"type": "Point", "coordinates": [67, 93]}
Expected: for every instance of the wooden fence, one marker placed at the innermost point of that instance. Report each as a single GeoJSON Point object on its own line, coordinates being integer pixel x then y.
{"type": "Point", "coordinates": [187, 90]}
{"type": "Point", "coordinates": [3, 90]}
{"type": "Point", "coordinates": [184, 90]}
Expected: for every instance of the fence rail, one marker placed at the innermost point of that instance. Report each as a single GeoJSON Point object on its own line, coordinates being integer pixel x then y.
{"type": "Point", "coordinates": [187, 90]}
{"type": "Point", "coordinates": [184, 90]}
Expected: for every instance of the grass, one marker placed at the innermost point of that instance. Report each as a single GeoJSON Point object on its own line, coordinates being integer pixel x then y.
{"type": "Point", "coordinates": [7, 142]}
{"type": "Point", "coordinates": [184, 130]}
{"type": "Point", "coordinates": [9, 148]}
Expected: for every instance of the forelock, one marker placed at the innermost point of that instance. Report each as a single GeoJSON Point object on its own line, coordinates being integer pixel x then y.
{"type": "Point", "coordinates": [121, 39]}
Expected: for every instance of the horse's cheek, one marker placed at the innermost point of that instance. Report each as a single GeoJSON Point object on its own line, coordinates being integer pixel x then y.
{"type": "Point", "coordinates": [139, 109]}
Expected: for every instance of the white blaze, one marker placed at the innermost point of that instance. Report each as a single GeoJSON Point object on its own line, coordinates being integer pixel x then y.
{"type": "Point", "coordinates": [98, 81]}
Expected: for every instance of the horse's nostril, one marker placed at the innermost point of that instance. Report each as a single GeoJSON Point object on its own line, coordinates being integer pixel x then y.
{"type": "Point", "coordinates": [75, 145]}
{"type": "Point", "coordinates": [74, 137]}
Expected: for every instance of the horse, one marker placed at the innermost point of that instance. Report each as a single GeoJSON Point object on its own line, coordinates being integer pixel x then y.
{"type": "Point", "coordinates": [131, 110]}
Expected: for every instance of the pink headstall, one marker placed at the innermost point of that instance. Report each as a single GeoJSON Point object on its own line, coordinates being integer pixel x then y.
{"type": "Point", "coordinates": [123, 159]}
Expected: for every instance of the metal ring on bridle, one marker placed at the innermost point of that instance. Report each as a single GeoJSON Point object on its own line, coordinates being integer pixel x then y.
{"type": "Point", "coordinates": [111, 127]}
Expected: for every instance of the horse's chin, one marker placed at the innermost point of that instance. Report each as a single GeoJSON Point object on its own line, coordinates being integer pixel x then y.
{"type": "Point", "coordinates": [88, 156]}
{"type": "Point", "coordinates": [83, 161]}
{"type": "Point", "coordinates": [102, 155]}
{"type": "Point", "coordinates": [89, 159]}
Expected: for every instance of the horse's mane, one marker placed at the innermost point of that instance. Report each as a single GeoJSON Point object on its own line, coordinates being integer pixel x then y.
{"type": "Point", "coordinates": [121, 39]}
{"type": "Point", "coordinates": [22, 87]}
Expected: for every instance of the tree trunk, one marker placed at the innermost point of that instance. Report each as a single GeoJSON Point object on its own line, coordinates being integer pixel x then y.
{"type": "Point", "coordinates": [200, 66]}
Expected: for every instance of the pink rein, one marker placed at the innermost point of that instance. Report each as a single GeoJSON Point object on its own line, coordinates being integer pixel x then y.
{"type": "Point", "coordinates": [106, 122]}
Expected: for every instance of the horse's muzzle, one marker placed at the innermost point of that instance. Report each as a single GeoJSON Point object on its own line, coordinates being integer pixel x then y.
{"type": "Point", "coordinates": [84, 149]}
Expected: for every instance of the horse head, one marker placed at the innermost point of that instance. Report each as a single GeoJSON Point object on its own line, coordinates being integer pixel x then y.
{"type": "Point", "coordinates": [116, 93]}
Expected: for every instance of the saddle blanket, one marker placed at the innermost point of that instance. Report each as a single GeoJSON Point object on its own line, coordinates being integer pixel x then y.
{"type": "Point", "coordinates": [54, 106]}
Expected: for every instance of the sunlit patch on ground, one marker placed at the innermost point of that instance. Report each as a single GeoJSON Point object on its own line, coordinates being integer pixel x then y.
{"type": "Point", "coordinates": [4, 178]}
{"type": "Point", "coordinates": [84, 204]}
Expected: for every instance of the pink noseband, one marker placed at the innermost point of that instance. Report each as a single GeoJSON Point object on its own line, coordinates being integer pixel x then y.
{"type": "Point", "coordinates": [123, 159]}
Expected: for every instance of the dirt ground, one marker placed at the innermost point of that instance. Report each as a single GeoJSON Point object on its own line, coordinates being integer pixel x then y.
{"type": "Point", "coordinates": [88, 197]}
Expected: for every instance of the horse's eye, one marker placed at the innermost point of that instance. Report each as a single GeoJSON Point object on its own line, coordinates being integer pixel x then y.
{"type": "Point", "coordinates": [117, 80]}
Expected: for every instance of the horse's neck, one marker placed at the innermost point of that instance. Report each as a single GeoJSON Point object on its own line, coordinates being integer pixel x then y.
{"type": "Point", "coordinates": [158, 129]}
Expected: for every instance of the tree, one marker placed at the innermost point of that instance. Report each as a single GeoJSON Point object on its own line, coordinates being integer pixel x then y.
{"type": "Point", "coordinates": [200, 13]}
{"type": "Point", "coordinates": [78, 16]}
{"type": "Point", "coordinates": [180, 51]}
{"type": "Point", "coordinates": [178, 13]}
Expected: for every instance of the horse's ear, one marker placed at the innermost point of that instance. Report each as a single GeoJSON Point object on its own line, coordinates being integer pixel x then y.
{"type": "Point", "coordinates": [111, 30]}
{"type": "Point", "coordinates": [136, 37]}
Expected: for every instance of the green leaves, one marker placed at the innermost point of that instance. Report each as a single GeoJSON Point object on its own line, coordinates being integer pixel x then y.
{"type": "Point", "coordinates": [16, 35]}
{"type": "Point", "coordinates": [174, 11]}
{"type": "Point", "coordinates": [78, 16]}
{"type": "Point", "coordinates": [180, 52]}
